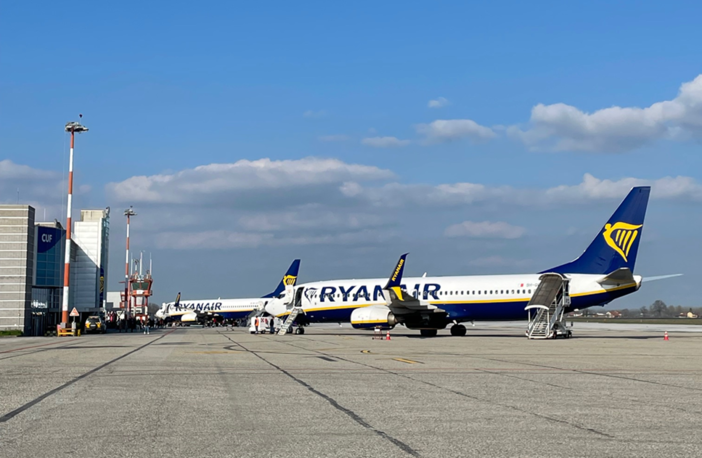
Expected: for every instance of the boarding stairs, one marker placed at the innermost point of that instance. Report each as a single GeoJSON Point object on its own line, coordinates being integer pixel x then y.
{"type": "Point", "coordinates": [289, 320]}
{"type": "Point", "coordinates": [547, 308]}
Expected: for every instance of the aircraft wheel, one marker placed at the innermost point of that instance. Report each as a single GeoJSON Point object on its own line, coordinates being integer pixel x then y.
{"type": "Point", "coordinates": [300, 331]}
{"type": "Point", "coordinates": [458, 330]}
{"type": "Point", "coordinates": [428, 332]}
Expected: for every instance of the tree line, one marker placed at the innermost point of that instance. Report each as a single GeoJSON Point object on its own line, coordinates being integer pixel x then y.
{"type": "Point", "coordinates": [659, 309]}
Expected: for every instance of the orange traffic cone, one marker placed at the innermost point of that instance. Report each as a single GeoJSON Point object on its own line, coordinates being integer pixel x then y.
{"type": "Point", "coordinates": [387, 335]}
{"type": "Point", "coordinates": [665, 336]}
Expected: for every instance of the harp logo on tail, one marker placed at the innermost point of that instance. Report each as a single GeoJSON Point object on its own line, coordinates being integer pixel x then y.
{"type": "Point", "coordinates": [620, 236]}
{"type": "Point", "coordinates": [289, 280]}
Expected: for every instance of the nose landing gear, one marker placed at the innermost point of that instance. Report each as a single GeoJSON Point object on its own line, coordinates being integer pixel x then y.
{"type": "Point", "coordinates": [458, 330]}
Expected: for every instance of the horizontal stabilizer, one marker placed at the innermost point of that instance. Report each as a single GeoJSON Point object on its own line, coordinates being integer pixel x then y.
{"type": "Point", "coordinates": [660, 277]}
{"type": "Point", "coordinates": [620, 276]}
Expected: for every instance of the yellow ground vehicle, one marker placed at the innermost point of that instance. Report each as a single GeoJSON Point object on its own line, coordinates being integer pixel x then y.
{"type": "Point", "coordinates": [95, 324]}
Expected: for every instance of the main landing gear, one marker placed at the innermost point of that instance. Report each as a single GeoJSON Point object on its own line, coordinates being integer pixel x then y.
{"type": "Point", "coordinates": [458, 330]}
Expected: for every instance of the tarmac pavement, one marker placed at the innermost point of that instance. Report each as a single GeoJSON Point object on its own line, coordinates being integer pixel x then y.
{"type": "Point", "coordinates": [336, 392]}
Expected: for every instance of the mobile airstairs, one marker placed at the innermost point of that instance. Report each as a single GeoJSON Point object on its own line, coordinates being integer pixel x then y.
{"type": "Point", "coordinates": [295, 308]}
{"type": "Point", "coordinates": [547, 308]}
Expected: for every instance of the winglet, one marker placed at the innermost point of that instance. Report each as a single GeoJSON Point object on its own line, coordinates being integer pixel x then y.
{"type": "Point", "coordinates": [176, 304]}
{"type": "Point", "coordinates": [396, 277]}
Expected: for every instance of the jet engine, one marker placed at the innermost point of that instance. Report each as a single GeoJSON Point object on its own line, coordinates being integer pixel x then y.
{"type": "Point", "coordinates": [189, 317]}
{"type": "Point", "coordinates": [372, 317]}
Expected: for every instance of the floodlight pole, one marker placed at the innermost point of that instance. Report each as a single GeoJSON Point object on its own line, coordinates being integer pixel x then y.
{"type": "Point", "coordinates": [71, 127]}
{"type": "Point", "coordinates": [128, 213]}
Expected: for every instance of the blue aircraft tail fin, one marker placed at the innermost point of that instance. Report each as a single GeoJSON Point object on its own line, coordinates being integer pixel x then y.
{"type": "Point", "coordinates": [616, 246]}
{"type": "Point", "coordinates": [393, 286]}
{"type": "Point", "coordinates": [289, 279]}
{"type": "Point", "coordinates": [176, 304]}
{"type": "Point", "coordinates": [396, 277]}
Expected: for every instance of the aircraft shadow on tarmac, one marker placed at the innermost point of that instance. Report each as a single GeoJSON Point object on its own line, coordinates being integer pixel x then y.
{"type": "Point", "coordinates": [491, 335]}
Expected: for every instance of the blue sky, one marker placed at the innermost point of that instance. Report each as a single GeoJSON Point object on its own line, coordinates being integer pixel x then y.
{"type": "Point", "coordinates": [167, 87]}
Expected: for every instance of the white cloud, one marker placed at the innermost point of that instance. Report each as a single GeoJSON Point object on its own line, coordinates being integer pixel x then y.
{"type": "Point", "coordinates": [313, 201]}
{"type": "Point", "coordinates": [231, 179]}
{"type": "Point", "coordinates": [484, 229]}
{"type": "Point", "coordinates": [310, 218]}
{"type": "Point", "coordinates": [561, 127]}
{"type": "Point", "coordinates": [592, 188]}
{"type": "Point", "coordinates": [223, 239]}
{"type": "Point", "coordinates": [384, 142]}
{"type": "Point", "coordinates": [453, 129]}
{"type": "Point", "coordinates": [314, 114]}
{"type": "Point", "coordinates": [12, 171]}
{"type": "Point", "coordinates": [459, 194]}
{"type": "Point", "coordinates": [333, 138]}
{"type": "Point", "coordinates": [45, 190]}
{"type": "Point", "coordinates": [438, 102]}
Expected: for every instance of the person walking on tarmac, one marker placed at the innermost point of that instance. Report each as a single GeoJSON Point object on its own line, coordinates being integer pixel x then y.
{"type": "Point", "coordinates": [256, 323]}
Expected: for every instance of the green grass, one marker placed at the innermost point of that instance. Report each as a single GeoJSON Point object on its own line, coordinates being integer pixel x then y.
{"type": "Point", "coordinates": [684, 321]}
{"type": "Point", "coordinates": [13, 332]}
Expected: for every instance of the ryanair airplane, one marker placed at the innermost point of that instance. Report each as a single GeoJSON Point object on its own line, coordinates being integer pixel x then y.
{"type": "Point", "coordinates": [198, 311]}
{"type": "Point", "coordinates": [601, 274]}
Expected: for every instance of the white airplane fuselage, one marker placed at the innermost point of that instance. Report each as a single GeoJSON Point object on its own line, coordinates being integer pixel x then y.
{"type": "Point", "coordinates": [189, 311]}
{"type": "Point", "coordinates": [464, 298]}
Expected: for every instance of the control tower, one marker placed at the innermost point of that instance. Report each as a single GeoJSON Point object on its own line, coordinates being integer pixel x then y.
{"type": "Point", "coordinates": [139, 289]}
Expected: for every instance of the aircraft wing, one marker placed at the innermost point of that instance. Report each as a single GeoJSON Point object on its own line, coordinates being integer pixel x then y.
{"type": "Point", "coordinates": [660, 277]}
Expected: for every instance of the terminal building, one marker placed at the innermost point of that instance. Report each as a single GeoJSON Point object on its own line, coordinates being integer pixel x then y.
{"type": "Point", "coordinates": [16, 267]}
{"type": "Point", "coordinates": [47, 284]}
{"type": "Point", "coordinates": [89, 256]}
{"type": "Point", "coordinates": [32, 267]}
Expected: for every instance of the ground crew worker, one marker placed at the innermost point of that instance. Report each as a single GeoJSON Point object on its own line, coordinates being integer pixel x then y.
{"type": "Point", "coordinates": [256, 324]}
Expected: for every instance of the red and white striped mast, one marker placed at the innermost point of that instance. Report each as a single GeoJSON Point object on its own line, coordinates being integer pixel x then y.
{"type": "Point", "coordinates": [71, 127]}
{"type": "Point", "coordinates": [128, 213]}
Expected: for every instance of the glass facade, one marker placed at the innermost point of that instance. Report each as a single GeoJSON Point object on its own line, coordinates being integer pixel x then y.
{"type": "Point", "coordinates": [50, 257]}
